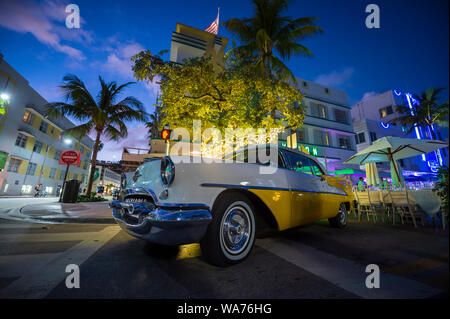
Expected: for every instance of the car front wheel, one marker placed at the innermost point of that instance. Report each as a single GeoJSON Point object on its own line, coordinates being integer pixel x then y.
{"type": "Point", "coordinates": [231, 234]}
{"type": "Point", "coordinates": [340, 220]}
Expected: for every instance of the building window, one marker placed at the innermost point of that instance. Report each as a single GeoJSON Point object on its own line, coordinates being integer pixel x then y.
{"type": "Point", "coordinates": [373, 136]}
{"type": "Point", "coordinates": [81, 149]}
{"type": "Point", "coordinates": [444, 152]}
{"type": "Point", "coordinates": [31, 168]}
{"type": "Point", "coordinates": [360, 138]}
{"type": "Point", "coordinates": [28, 117]}
{"type": "Point", "coordinates": [383, 112]}
{"type": "Point", "coordinates": [52, 173]}
{"type": "Point", "coordinates": [327, 91]}
{"type": "Point", "coordinates": [402, 163]}
{"type": "Point", "coordinates": [340, 116]}
{"type": "Point", "coordinates": [305, 84]}
{"type": "Point", "coordinates": [301, 135]}
{"type": "Point", "coordinates": [322, 138]}
{"type": "Point", "coordinates": [13, 165]}
{"type": "Point", "coordinates": [57, 155]}
{"type": "Point", "coordinates": [43, 127]}
{"type": "Point", "coordinates": [21, 140]}
{"type": "Point", "coordinates": [344, 142]}
{"type": "Point", "coordinates": [37, 147]}
{"type": "Point", "coordinates": [318, 110]}
{"type": "Point", "coordinates": [389, 110]}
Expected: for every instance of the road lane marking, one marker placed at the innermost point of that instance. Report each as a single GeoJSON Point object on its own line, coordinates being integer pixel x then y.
{"type": "Point", "coordinates": [41, 280]}
{"type": "Point", "coordinates": [416, 266]}
{"type": "Point", "coordinates": [345, 273]}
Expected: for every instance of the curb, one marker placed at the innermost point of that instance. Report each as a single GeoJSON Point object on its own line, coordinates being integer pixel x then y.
{"type": "Point", "coordinates": [57, 219]}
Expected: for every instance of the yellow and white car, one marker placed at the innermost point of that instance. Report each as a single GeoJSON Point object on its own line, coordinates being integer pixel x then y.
{"type": "Point", "coordinates": [223, 204]}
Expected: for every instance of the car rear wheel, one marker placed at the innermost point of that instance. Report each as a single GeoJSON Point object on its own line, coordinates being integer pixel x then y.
{"type": "Point", "coordinates": [231, 234]}
{"type": "Point", "coordinates": [340, 220]}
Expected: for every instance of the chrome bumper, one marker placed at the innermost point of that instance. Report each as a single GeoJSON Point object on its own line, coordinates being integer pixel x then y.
{"type": "Point", "coordinates": [167, 224]}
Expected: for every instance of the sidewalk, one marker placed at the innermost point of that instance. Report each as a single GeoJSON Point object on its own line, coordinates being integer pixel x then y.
{"type": "Point", "coordinates": [95, 212]}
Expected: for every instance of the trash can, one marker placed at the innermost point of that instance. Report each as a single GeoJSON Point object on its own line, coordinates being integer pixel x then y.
{"type": "Point", "coordinates": [70, 191]}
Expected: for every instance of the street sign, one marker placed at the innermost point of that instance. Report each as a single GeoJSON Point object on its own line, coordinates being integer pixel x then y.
{"type": "Point", "coordinates": [70, 158]}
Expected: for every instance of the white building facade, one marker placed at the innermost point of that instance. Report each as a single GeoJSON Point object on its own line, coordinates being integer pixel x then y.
{"type": "Point", "coordinates": [30, 143]}
{"type": "Point", "coordinates": [327, 131]}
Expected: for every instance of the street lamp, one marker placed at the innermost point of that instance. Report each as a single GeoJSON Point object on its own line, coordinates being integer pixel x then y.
{"type": "Point", "coordinates": [4, 97]}
{"type": "Point", "coordinates": [67, 141]}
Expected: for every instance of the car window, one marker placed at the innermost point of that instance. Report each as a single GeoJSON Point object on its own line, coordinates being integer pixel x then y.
{"type": "Point", "coordinates": [302, 164]}
{"type": "Point", "coordinates": [242, 156]}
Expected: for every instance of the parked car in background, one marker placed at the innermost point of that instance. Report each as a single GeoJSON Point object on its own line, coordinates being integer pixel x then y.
{"type": "Point", "coordinates": [223, 205]}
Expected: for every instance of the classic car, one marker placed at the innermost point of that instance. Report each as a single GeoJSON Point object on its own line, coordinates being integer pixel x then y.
{"type": "Point", "coordinates": [223, 204]}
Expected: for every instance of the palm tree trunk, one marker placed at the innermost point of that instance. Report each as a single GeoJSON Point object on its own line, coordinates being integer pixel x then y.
{"type": "Point", "coordinates": [94, 161]}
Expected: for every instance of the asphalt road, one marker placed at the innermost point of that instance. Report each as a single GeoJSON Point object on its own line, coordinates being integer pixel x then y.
{"type": "Point", "coordinates": [315, 261]}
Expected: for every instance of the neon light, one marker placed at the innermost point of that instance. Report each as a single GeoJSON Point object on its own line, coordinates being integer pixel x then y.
{"type": "Point", "coordinates": [385, 125]}
{"type": "Point", "coordinates": [315, 151]}
{"type": "Point", "coordinates": [398, 93]}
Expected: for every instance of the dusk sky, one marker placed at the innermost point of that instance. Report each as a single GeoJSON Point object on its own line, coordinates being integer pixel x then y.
{"type": "Point", "coordinates": [409, 52]}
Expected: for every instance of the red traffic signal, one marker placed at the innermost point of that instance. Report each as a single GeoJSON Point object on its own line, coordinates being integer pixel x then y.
{"type": "Point", "coordinates": [165, 134]}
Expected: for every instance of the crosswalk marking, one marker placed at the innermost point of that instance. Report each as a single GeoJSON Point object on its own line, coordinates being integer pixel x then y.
{"type": "Point", "coordinates": [416, 266]}
{"type": "Point", "coordinates": [345, 273]}
{"type": "Point", "coordinates": [40, 280]}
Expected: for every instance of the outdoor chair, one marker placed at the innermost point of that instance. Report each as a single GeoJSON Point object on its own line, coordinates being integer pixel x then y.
{"type": "Point", "coordinates": [376, 202]}
{"type": "Point", "coordinates": [404, 207]}
{"type": "Point", "coordinates": [364, 205]}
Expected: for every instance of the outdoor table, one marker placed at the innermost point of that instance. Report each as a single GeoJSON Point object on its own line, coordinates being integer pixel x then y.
{"type": "Point", "coordinates": [426, 199]}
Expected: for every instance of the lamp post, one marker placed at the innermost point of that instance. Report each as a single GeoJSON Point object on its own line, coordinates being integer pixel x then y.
{"type": "Point", "coordinates": [67, 141]}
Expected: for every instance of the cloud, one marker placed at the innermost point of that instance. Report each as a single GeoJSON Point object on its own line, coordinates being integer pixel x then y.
{"type": "Point", "coordinates": [118, 62]}
{"type": "Point", "coordinates": [119, 59]}
{"type": "Point", "coordinates": [137, 137]}
{"type": "Point", "coordinates": [46, 22]}
{"type": "Point", "coordinates": [335, 78]}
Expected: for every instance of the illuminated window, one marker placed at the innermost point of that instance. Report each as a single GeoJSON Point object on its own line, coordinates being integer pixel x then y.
{"type": "Point", "coordinates": [322, 138]}
{"type": "Point", "coordinates": [383, 112]}
{"type": "Point", "coordinates": [28, 117]}
{"type": "Point", "coordinates": [318, 110]}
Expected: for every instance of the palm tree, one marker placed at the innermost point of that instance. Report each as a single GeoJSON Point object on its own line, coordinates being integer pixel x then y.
{"type": "Point", "coordinates": [154, 124]}
{"type": "Point", "coordinates": [425, 113]}
{"type": "Point", "coordinates": [268, 33]}
{"type": "Point", "coordinates": [104, 115]}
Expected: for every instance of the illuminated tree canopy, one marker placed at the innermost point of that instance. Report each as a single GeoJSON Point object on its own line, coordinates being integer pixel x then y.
{"type": "Point", "coordinates": [222, 97]}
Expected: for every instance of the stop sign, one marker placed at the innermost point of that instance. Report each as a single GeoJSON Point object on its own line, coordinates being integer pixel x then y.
{"type": "Point", "coordinates": [70, 157]}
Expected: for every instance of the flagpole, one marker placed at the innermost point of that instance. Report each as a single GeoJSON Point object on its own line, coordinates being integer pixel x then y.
{"type": "Point", "coordinates": [218, 19]}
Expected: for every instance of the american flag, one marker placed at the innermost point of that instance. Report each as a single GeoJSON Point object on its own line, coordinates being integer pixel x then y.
{"type": "Point", "coordinates": [214, 27]}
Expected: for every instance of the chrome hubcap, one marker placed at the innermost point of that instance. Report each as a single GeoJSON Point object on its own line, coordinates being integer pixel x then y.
{"type": "Point", "coordinates": [236, 229]}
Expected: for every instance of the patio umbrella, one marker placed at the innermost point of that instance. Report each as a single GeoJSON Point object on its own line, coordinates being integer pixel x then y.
{"type": "Point", "coordinates": [390, 149]}
{"type": "Point", "coordinates": [372, 176]}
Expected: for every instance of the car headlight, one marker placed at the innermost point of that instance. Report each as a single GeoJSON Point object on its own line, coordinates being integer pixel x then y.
{"type": "Point", "coordinates": [167, 171]}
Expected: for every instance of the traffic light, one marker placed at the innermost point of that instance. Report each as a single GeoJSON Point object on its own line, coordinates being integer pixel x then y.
{"type": "Point", "coordinates": [165, 134]}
